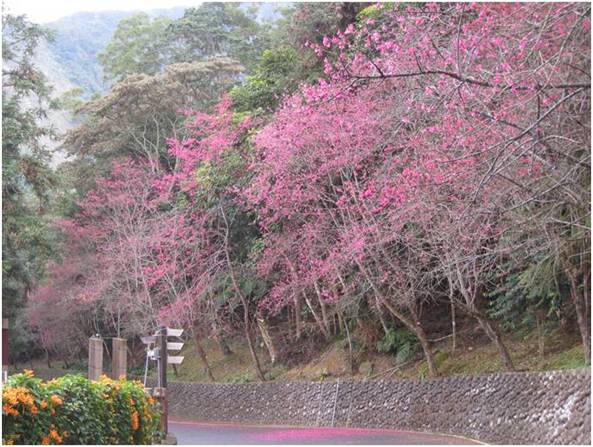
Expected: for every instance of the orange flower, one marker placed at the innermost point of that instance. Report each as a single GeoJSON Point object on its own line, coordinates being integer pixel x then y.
{"type": "Point", "coordinates": [55, 436]}
{"type": "Point", "coordinates": [9, 396]}
{"type": "Point", "coordinates": [33, 409]}
{"type": "Point", "coordinates": [45, 440]}
{"type": "Point", "coordinates": [135, 421]}
{"type": "Point", "coordinates": [9, 410]}
{"type": "Point", "coordinates": [55, 400]}
{"type": "Point", "coordinates": [52, 411]}
{"type": "Point", "coordinates": [29, 373]}
{"type": "Point", "coordinates": [43, 405]}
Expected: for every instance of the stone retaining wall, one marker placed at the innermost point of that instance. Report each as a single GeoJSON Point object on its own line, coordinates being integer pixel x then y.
{"type": "Point", "coordinates": [506, 408]}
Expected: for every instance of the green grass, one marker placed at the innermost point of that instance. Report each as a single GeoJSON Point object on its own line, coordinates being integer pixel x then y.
{"type": "Point", "coordinates": [235, 368]}
{"type": "Point", "coordinates": [573, 358]}
{"type": "Point", "coordinates": [471, 357]}
{"type": "Point", "coordinates": [562, 352]}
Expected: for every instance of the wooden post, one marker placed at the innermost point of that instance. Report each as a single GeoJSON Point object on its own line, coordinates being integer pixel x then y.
{"type": "Point", "coordinates": [162, 346]}
{"type": "Point", "coordinates": [161, 393]}
{"type": "Point", "coordinates": [4, 349]}
{"type": "Point", "coordinates": [119, 349]}
{"type": "Point", "coordinates": [95, 357]}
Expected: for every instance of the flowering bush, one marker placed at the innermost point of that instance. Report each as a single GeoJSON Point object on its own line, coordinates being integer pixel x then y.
{"type": "Point", "coordinates": [75, 410]}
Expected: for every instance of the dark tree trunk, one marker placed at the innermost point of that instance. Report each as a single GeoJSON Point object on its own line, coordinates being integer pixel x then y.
{"type": "Point", "coordinates": [223, 346]}
{"type": "Point", "coordinates": [297, 317]}
{"type": "Point", "coordinates": [580, 305]}
{"type": "Point", "coordinates": [414, 326]}
{"type": "Point", "coordinates": [493, 333]}
{"type": "Point", "coordinates": [267, 338]}
{"type": "Point", "coordinates": [241, 295]}
{"type": "Point", "coordinates": [47, 357]}
{"type": "Point", "coordinates": [540, 318]}
{"type": "Point", "coordinates": [203, 358]}
{"type": "Point", "coordinates": [418, 331]}
{"type": "Point", "coordinates": [219, 336]}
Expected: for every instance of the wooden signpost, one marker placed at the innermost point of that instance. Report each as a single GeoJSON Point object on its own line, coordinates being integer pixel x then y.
{"type": "Point", "coordinates": [157, 349]}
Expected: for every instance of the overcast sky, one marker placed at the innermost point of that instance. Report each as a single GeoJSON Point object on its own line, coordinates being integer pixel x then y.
{"type": "Point", "coordinates": [43, 11]}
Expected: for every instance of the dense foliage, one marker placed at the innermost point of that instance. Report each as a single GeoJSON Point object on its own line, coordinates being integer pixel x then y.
{"type": "Point", "coordinates": [27, 181]}
{"type": "Point", "coordinates": [385, 167]}
{"type": "Point", "coordinates": [75, 410]}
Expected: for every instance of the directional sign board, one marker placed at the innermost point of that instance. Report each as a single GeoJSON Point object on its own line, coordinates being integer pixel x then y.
{"type": "Point", "coordinates": [174, 346]}
{"type": "Point", "coordinates": [175, 359]}
{"type": "Point", "coordinates": [174, 332]}
{"type": "Point", "coordinates": [148, 339]}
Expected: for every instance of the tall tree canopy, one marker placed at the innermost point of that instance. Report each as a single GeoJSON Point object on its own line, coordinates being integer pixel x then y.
{"type": "Point", "coordinates": [27, 180]}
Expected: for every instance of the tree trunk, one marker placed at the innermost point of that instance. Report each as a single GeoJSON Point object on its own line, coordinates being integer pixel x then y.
{"type": "Point", "coordinates": [353, 368]}
{"type": "Point", "coordinates": [418, 331]}
{"type": "Point", "coordinates": [415, 327]}
{"type": "Point", "coordinates": [582, 318]}
{"type": "Point", "coordinates": [247, 328]}
{"type": "Point", "coordinates": [289, 323]}
{"type": "Point", "coordinates": [267, 338]}
{"type": "Point", "coordinates": [239, 292]}
{"type": "Point", "coordinates": [220, 340]}
{"type": "Point", "coordinates": [318, 320]}
{"type": "Point", "coordinates": [492, 332]}
{"type": "Point", "coordinates": [250, 343]}
{"type": "Point", "coordinates": [48, 359]}
{"type": "Point", "coordinates": [223, 346]}
{"type": "Point", "coordinates": [540, 318]}
{"type": "Point", "coordinates": [322, 306]}
{"type": "Point", "coordinates": [297, 317]}
{"type": "Point", "coordinates": [381, 319]}
{"type": "Point", "coordinates": [202, 355]}
{"type": "Point", "coordinates": [453, 324]}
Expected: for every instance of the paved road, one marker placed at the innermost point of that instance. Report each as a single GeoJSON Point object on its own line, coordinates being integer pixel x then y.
{"type": "Point", "coordinates": [205, 433]}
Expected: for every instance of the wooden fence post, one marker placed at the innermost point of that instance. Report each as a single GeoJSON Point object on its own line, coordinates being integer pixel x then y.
{"type": "Point", "coordinates": [95, 357]}
{"type": "Point", "coordinates": [119, 358]}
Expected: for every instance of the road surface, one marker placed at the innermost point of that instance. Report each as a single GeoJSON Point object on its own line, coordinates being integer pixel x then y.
{"type": "Point", "coordinates": [207, 433]}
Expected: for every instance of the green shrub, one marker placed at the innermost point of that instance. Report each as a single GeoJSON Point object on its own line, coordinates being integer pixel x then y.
{"type": "Point", "coordinates": [399, 341]}
{"type": "Point", "coordinates": [75, 410]}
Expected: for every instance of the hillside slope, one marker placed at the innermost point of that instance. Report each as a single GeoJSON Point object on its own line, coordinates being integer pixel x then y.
{"type": "Point", "coordinates": [80, 37]}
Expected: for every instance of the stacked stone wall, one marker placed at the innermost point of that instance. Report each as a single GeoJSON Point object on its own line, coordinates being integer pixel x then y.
{"type": "Point", "coordinates": [504, 408]}
{"type": "Point", "coordinates": [522, 408]}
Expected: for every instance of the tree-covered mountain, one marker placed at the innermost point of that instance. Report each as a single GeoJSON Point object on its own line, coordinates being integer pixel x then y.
{"type": "Point", "coordinates": [81, 36]}
{"type": "Point", "coordinates": [70, 61]}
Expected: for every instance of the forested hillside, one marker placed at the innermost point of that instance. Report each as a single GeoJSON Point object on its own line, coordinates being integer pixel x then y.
{"type": "Point", "coordinates": [387, 177]}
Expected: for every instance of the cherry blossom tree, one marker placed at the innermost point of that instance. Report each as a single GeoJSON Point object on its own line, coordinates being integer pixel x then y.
{"type": "Point", "coordinates": [436, 123]}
